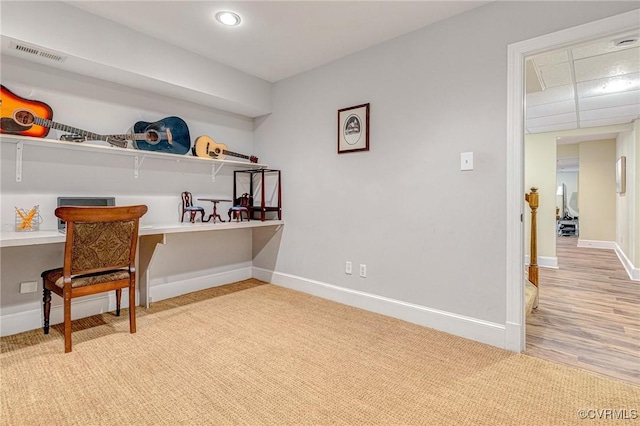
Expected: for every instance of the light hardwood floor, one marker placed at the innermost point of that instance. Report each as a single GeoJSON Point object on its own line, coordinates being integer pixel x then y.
{"type": "Point", "coordinates": [589, 314]}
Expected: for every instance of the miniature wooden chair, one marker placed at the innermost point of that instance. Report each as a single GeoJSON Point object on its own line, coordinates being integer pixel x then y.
{"type": "Point", "coordinates": [243, 204]}
{"type": "Point", "coordinates": [188, 207]}
{"type": "Point", "coordinates": [99, 256]}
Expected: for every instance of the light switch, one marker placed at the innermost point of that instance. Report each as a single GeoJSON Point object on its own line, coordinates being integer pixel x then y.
{"type": "Point", "coordinates": [466, 161]}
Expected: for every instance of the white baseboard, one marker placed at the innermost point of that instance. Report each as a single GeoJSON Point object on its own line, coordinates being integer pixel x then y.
{"type": "Point", "coordinates": [632, 271]}
{"type": "Point", "coordinates": [470, 328]}
{"type": "Point", "coordinates": [160, 291]}
{"type": "Point", "coordinates": [611, 245]}
{"type": "Point", "coordinates": [544, 261]}
{"type": "Point", "coordinates": [30, 316]}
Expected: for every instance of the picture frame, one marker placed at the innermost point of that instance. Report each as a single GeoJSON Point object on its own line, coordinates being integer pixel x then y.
{"type": "Point", "coordinates": [353, 129]}
{"type": "Point", "coordinates": [621, 175]}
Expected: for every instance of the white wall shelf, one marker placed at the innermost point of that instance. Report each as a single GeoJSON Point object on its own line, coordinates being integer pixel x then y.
{"type": "Point", "coordinates": [138, 156]}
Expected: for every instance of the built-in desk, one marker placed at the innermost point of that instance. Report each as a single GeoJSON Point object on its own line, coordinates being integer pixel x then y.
{"type": "Point", "coordinates": [149, 237]}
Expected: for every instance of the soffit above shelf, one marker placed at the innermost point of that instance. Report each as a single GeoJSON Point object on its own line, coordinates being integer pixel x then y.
{"type": "Point", "coordinates": [82, 43]}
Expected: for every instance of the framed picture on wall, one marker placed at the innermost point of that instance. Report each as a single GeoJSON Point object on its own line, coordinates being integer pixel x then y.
{"type": "Point", "coordinates": [621, 175]}
{"type": "Point", "coordinates": [353, 129]}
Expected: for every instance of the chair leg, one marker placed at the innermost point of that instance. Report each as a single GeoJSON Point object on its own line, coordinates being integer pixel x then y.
{"type": "Point", "coordinates": [46, 300]}
{"type": "Point", "coordinates": [118, 298]}
{"type": "Point", "coordinates": [67, 321]}
{"type": "Point", "coordinates": [132, 305]}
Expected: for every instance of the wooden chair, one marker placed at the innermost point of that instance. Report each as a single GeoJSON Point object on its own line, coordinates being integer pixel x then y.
{"type": "Point", "coordinates": [99, 256]}
{"type": "Point", "coordinates": [241, 205]}
{"type": "Point", "coordinates": [188, 207]}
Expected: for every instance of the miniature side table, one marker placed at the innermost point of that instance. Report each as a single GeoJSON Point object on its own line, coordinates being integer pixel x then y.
{"type": "Point", "coordinates": [215, 202]}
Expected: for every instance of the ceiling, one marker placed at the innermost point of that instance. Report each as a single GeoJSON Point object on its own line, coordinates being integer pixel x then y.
{"type": "Point", "coordinates": [586, 85]}
{"type": "Point", "coordinates": [276, 39]}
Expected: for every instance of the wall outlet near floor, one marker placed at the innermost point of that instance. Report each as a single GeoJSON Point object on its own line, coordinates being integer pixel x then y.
{"type": "Point", "coordinates": [29, 287]}
{"type": "Point", "coordinates": [363, 270]}
{"type": "Point", "coordinates": [348, 268]}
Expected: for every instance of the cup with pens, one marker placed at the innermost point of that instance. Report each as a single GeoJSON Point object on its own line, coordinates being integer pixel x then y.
{"type": "Point", "coordinates": [28, 220]}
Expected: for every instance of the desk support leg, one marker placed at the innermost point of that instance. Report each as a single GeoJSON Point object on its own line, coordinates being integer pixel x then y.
{"type": "Point", "coordinates": [147, 247]}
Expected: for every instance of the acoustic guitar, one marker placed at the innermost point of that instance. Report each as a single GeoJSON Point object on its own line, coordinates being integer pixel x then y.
{"type": "Point", "coordinates": [23, 117]}
{"type": "Point", "coordinates": [171, 134]}
{"type": "Point", "coordinates": [206, 147]}
{"type": "Point", "coordinates": [15, 118]}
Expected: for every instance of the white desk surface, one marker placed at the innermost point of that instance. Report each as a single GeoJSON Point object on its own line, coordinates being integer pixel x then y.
{"type": "Point", "coordinates": [29, 238]}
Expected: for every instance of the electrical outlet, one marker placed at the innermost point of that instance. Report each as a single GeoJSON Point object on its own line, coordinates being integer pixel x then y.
{"type": "Point", "coordinates": [29, 287]}
{"type": "Point", "coordinates": [363, 270]}
{"type": "Point", "coordinates": [348, 268]}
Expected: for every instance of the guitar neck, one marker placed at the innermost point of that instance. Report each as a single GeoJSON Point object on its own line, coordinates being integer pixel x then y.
{"type": "Point", "coordinates": [235, 154]}
{"type": "Point", "coordinates": [138, 136]}
{"type": "Point", "coordinates": [89, 135]}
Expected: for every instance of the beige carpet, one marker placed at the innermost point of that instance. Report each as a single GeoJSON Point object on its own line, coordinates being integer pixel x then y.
{"type": "Point", "coordinates": [259, 354]}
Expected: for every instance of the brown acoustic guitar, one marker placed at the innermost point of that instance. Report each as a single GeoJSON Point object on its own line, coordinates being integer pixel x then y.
{"type": "Point", "coordinates": [16, 113]}
{"type": "Point", "coordinates": [206, 147]}
{"type": "Point", "coordinates": [24, 117]}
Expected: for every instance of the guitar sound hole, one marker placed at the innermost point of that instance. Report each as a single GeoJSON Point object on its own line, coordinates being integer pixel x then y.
{"type": "Point", "coordinates": [24, 117]}
{"type": "Point", "coordinates": [152, 137]}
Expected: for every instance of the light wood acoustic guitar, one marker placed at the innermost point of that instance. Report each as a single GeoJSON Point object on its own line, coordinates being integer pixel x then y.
{"type": "Point", "coordinates": [24, 117]}
{"type": "Point", "coordinates": [206, 147]}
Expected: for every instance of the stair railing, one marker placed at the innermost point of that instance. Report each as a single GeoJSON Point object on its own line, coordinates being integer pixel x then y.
{"type": "Point", "coordinates": [533, 199]}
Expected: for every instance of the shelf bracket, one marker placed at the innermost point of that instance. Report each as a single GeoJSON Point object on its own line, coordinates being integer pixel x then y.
{"type": "Point", "coordinates": [19, 148]}
{"type": "Point", "coordinates": [214, 172]}
{"type": "Point", "coordinates": [137, 162]}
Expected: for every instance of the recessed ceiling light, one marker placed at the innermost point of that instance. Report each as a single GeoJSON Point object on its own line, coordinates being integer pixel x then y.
{"type": "Point", "coordinates": [228, 18]}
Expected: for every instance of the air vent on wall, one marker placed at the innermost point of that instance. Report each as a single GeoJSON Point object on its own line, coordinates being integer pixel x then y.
{"type": "Point", "coordinates": [37, 51]}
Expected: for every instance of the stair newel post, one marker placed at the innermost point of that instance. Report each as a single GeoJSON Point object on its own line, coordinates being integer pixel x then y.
{"type": "Point", "coordinates": [532, 198]}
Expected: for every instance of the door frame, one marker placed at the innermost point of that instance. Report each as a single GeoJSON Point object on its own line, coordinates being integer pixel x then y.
{"type": "Point", "coordinates": [515, 331]}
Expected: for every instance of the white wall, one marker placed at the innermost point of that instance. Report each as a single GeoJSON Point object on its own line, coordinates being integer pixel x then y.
{"type": "Point", "coordinates": [540, 172]}
{"type": "Point", "coordinates": [570, 181]}
{"type": "Point", "coordinates": [597, 183]}
{"type": "Point", "coordinates": [433, 237]}
{"type": "Point", "coordinates": [628, 204]}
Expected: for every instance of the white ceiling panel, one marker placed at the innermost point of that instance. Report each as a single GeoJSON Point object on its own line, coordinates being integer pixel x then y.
{"type": "Point", "coordinates": [612, 64]}
{"type": "Point", "coordinates": [556, 75]}
{"type": "Point", "coordinates": [603, 46]}
{"type": "Point", "coordinates": [606, 86]}
{"type": "Point", "coordinates": [552, 119]}
{"type": "Point", "coordinates": [551, 58]}
{"type": "Point", "coordinates": [551, 95]}
{"type": "Point", "coordinates": [607, 121]}
{"type": "Point", "coordinates": [552, 128]}
{"type": "Point", "coordinates": [610, 101]}
{"type": "Point", "coordinates": [554, 108]}
{"type": "Point", "coordinates": [596, 81]}
{"type": "Point", "coordinates": [595, 114]}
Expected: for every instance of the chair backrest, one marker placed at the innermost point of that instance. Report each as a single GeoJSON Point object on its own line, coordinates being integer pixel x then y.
{"type": "Point", "coordinates": [245, 200]}
{"type": "Point", "coordinates": [187, 200]}
{"type": "Point", "coordinates": [100, 238]}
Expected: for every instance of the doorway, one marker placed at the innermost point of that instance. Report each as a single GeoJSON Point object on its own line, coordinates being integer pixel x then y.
{"type": "Point", "coordinates": [515, 318]}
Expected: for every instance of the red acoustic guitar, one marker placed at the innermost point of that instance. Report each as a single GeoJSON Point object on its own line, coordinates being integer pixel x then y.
{"type": "Point", "coordinates": [16, 113]}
